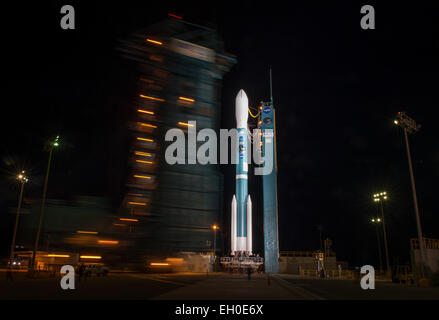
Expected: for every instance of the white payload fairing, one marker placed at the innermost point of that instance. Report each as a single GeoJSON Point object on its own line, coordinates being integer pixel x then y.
{"type": "Point", "coordinates": [241, 220]}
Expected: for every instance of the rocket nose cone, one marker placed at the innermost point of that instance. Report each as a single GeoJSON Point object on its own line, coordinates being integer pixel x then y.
{"type": "Point", "coordinates": [241, 105]}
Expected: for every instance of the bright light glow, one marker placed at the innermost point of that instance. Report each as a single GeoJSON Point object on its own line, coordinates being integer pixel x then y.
{"type": "Point", "coordinates": [137, 203]}
{"type": "Point", "coordinates": [126, 219]}
{"type": "Point", "coordinates": [186, 99]}
{"type": "Point", "coordinates": [108, 242]}
{"type": "Point", "coordinates": [379, 220]}
{"type": "Point", "coordinates": [373, 220]}
{"type": "Point", "coordinates": [151, 98]}
{"type": "Point", "coordinates": [58, 255]}
{"type": "Point", "coordinates": [145, 111]}
{"type": "Point", "coordinates": [144, 139]}
{"type": "Point", "coordinates": [395, 121]}
{"type": "Point", "coordinates": [90, 257]}
{"type": "Point", "coordinates": [87, 232]}
{"type": "Point", "coordinates": [175, 259]}
{"type": "Point", "coordinates": [139, 153]}
{"type": "Point", "coordinates": [185, 124]}
{"type": "Point", "coordinates": [215, 227]}
{"type": "Point", "coordinates": [143, 161]}
{"type": "Point", "coordinates": [154, 41]}
{"type": "Point", "coordinates": [147, 125]}
{"type": "Point", "coordinates": [385, 197]}
{"type": "Point", "coordinates": [141, 177]}
{"type": "Point", "coordinates": [159, 264]}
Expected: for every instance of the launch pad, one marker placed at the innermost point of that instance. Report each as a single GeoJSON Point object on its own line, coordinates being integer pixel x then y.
{"type": "Point", "coordinates": [241, 263]}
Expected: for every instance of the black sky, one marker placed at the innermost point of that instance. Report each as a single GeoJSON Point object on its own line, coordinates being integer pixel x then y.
{"type": "Point", "coordinates": [336, 89]}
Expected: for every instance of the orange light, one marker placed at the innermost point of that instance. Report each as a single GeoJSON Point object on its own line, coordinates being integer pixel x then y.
{"type": "Point", "coordinates": [90, 257]}
{"type": "Point", "coordinates": [143, 161]}
{"type": "Point", "coordinates": [134, 194]}
{"type": "Point", "coordinates": [142, 177]}
{"type": "Point", "coordinates": [126, 219]}
{"type": "Point", "coordinates": [144, 139]}
{"type": "Point", "coordinates": [215, 227]}
{"type": "Point", "coordinates": [145, 154]}
{"type": "Point", "coordinates": [87, 232]}
{"type": "Point", "coordinates": [147, 125]}
{"type": "Point", "coordinates": [151, 98]}
{"type": "Point", "coordinates": [154, 41]}
{"type": "Point", "coordinates": [137, 203]}
{"type": "Point", "coordinates": [185, 124]}
{"type": "Point", "coordinates": [119, 224]}
{"type": "Point", "coordinates": [159, 264]}
{"type": "Point", "coordinates": [108, 242]}
{"type": "Point", "coordinates": [145, 111]}
{"type": "Point", "coordinates": [186, 99]}
{"type": "Point", "coordinates": [58, 255]}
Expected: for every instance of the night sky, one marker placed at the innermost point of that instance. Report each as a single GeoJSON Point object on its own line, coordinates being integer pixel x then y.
{"type": "Point", "coordinates": [336, 87]}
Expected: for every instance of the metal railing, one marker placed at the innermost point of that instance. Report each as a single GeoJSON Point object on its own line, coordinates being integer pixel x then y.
{"type": "Point", "coordinates": [429, 243]}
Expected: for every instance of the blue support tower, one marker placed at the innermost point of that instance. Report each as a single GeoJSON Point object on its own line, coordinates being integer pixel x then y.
{"type": "Point", "coordinates": [269, 189]}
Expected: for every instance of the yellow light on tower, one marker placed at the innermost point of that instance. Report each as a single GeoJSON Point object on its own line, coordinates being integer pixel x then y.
{"type": "Point", "coordinates": [185, 124]}
{"type": "Point", "coordinates": [144, 139]}
{"type": "Point", "coordinates": [91, 257]}
{"type": "Point", "coordinates": [150, 98]}
{"type": "Point", "coordinates": [147, 125]}
{"type": "Point", "coordinates": [186, 99]}
{"type": "Point", "coordinates": [145, 111]}
{"type": "Point", "coordinates": [140, 153]}
{"type": "Point", "coordinates": [137, 203]}
{"type": "Point", "coordinates": [154, 41]}
{"type": "Point", "coordinates": [141, 177]}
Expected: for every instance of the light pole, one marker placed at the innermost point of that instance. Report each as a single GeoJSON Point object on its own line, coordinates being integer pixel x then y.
{"type": "Point", "coordinates": [376, 221]}
{"type": "Point", "coordinates": [214, 227]}
{"type": "Point", "coordinates": [380, 197]}
{"type": "Point", "coordinates": [410, 126]}
{"type": "Point", "coordinates": [23, 179]}
{"type": "Point", "coordinates": [52, 144]}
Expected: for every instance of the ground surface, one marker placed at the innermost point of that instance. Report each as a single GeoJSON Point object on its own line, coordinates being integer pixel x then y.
{"type": "Point", "coordinates": [218, 286]}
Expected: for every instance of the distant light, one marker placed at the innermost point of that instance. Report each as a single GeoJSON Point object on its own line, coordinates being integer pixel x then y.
{"type": "Point", "coordinates": [145, 111]}
{"type": "Point", "coordinates": [127, 219]}
{"type": "Point", "coordinates": [186, 99]}
{"type": "Point", "coordinates": [147, 125]}
{"type": "Point", "coordinates": [90, 257]}
{"type": "Point", "coordinates": [145, 139]}
{"type": "Point", "coordinates": [395, 121]}
{"type": "Point", "coordinates": [159, 264]}
{"type": "Point", "coordinates": [137, 203]}
{"type": "Point", "coordinates": [154, 41]}
{"type": "Point", "coordinates": [108, 242]}
{"type": "Point", "coordinates": [58, 255]}
{"type": "Point", "coordinates": [185, 124]}
{"type": "Point", "coordinates": [379, 220]}
{"type": "Point", "coordinates": [215, 227]}
{"type": "Point", "coordinates": [150, 98]}
{"type": "Point", "coordinates": [373, 220]}
{"type": "Point", "coordinates": [174, 16]}
{"type": "Point", "coordinates": [143, 161]}
{"type": "Point", "coordinates": [141, 177]}
{"type": "Point", "coordinates": [119, 224]}
{"type": "Point", "coordinates": [87, 232]}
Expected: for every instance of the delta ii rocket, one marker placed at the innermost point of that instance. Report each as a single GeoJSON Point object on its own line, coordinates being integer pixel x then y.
{"type": "Point", "coordinates": [241, 235]}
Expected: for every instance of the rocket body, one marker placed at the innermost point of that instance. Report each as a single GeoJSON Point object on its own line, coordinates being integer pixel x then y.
{"type": "Point", "coordinates": [241, 204]}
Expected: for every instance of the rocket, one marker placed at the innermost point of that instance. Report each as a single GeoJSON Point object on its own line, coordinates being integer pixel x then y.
{"type": "Point", "coordinates": [241, 218]}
